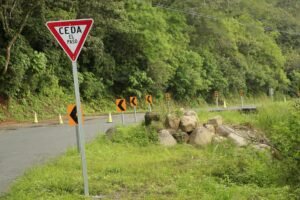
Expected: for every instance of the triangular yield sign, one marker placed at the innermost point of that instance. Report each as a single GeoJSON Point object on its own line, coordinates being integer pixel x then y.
{"type": "Point", "coordinates": [71, 34]}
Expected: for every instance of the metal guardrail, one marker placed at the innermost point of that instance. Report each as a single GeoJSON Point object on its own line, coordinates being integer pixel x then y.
{"type": "Point", "coordinates": [248, 108]}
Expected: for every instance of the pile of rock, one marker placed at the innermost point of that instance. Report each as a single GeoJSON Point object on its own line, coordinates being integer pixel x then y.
{"type": "Point", "coordinates": [188, 129]}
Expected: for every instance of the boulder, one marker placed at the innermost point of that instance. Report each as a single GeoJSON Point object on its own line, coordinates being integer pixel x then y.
{"type": "Point", "coordinates": [190, 113]}
{"type": "Point", "coordinates": [218, 139]}
{"type": "Point", "coordinates": [172, 131]}
{"type": "Point", "coordinates": [224, 130]}
{"type": "Point", "coordinates": [216, 121]}
{"type": "Point", "coordinates": [172, 122]}
{"type": "Point", "coordinates": [210, 127]}
{"type": "Point", "coordinates": [201, 136]}
{"type": "Point", "coordinates": [111, 132]}
{"type": "Point", "coordinates": [165, 138]}
{"type": "Point", "coordinates": [181, 137]}
{"type": "Point", "coordinates": [261, 147]}
{"type": "Point", "coordinates": [188, 123]}
{"type": "Point", "coordinates": [238, 140]}
{"type": "Point", "coordinates": [151, 116]}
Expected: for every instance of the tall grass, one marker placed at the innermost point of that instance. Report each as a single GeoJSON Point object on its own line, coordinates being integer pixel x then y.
{"type": "Point", "coordinates": [133, 166]}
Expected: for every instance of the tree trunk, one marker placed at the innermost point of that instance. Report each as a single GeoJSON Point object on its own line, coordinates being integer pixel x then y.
{"type": "Point", "coordinates": [11, 43]}
{"type": "Point", "coordinates": [7, 60]}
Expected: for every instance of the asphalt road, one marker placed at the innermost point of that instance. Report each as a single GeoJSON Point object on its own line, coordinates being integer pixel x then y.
{"type": "Point", "coordinates": [24, 147]}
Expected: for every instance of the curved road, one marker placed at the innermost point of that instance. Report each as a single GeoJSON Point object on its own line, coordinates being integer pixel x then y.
{"type": "Point", "coordinates": [24, 147]}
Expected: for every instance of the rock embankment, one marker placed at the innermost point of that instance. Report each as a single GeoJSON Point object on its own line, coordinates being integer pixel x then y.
{"type": "Point", "coordinates": [188, 129]}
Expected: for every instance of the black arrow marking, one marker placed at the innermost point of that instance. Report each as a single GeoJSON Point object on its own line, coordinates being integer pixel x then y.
{"type": "Point", "coordinates": [149, 99]}
{"type": "Point", "coordinates": [133, 101]}
{"type": "Point", "coordinates": [120, 105]}
{"type": "Point", "coordinates": [73, 115]}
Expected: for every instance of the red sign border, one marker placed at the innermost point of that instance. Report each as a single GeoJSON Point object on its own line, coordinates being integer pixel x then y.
{"type": "Point", "coordinates": [52, 24]}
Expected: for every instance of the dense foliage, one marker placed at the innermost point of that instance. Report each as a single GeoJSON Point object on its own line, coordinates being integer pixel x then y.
{"type": "Point", "coordinates": [283, 131]}
{"type": "Point", "coordinates": [189, 48]}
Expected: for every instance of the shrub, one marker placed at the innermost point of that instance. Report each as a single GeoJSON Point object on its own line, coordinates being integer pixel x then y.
{"type": "Point", "coordinates": [137, 135]}
{"type": "Point", "coordinates": [281, 123]}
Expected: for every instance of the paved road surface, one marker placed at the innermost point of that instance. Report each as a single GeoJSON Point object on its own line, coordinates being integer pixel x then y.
{"type": "Point", "coordinates": [22, 148]}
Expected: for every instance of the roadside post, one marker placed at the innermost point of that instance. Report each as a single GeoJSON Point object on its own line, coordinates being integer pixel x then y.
{"type": "Point", "coordinates": [121, 107]}
{"type": "Point", "coordinates": [71, 35]}
{"type": "Point", "coordinates": [168, 99]}
{"type": "Point", "coordinates": [242, 98]}
{"type": "Point", "coordinates": [73, 121]}
{"type": "Point", "coordinates": [271, 93]}
{"type": "Point", "coordinates": [133, 103]}
{"type": "Point", "coordinates": [149, 101]}
{"type": "Point", "coordinates": [216, 95]}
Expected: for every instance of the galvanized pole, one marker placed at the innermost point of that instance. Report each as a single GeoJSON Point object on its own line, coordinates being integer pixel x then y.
{"type": "Point", "coordinates": [242, 101]}
{"type": "Point", "coordinates": [80, 130]}
{"type": "Point", "coordinates": [149, 105]}
{"type": "Point", "coordinates": [217, 102]}
{"type": "Point", "coordinates": [123, 120]}
{"type": "Point", "coordinates": [135, 119]}
{"type": "Point", "coordinates": [77, 138]}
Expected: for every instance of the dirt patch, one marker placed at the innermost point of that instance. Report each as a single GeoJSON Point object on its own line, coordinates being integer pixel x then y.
{"type": "Point", "coordinates": [3, 101]}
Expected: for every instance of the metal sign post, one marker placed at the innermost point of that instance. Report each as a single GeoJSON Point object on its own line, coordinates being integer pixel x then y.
{"type": "Point", "coordinates": [77, 138]}
{"type": "Point", "coordinates": [242, 101]}
{"type": "Point", "coordinates": [149, 101]}
{"type": "Point", "coordinates": [133, 103]}
{"type": "Point", "coordinates": [149, 107]}
{"type": "Point", "coordinates": [242, 97]}
{"type": "Point", "coordinates": [271, 93]}
{"type": "Point", "coordinates": [135, 119]}
{"type": "Point", "coordinates": [216, 95]}
{"type": "Point", "coordinates": [80, 130]}
{"type": "Point", "coordinates": [121, 107]}
{"type": "Point", "coordinates": [123, 118]}
{"type": "Point", "coordinates": [71, 35]}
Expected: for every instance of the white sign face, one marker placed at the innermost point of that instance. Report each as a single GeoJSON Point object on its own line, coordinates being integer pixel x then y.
{"type": "Point", "coordinates": [71, 34]}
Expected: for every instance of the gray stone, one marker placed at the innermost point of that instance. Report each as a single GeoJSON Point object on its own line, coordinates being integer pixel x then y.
{"type": "Point", "coordinates": [216, 121]}
{"type": "Point", "coordinates": [261, 147]}
{"type": "Point", "coordinates": [181, 137]}
{"type": "Point", "coordinates": [201, 136]}
{"type": "Point", "coordinates": [165, 138]}
{"type": "Point", "coordinates": [190, 113]}
{"type": "Point", "coordinates": [151, 116]}
{"type": "Point", "coordinates": [224, 130]}
{"type": "Point", "coordinates": [172, 131]}
{"type": "Point", "coordinates": [210, 127]}
{"type": "Point", "coordinates": [238, 140]}
{"type": "Point", "coordinates": [188, 123]}
{"type": "Point", "coordinates": [172, 122]}
{"type": "Point", "coordinates": [218, 139]}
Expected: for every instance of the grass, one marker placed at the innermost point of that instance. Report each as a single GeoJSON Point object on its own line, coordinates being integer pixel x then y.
{"type": "Point", "coordinates": [133, 166]}
{"type": "Point", "coordinates": [139, 169]}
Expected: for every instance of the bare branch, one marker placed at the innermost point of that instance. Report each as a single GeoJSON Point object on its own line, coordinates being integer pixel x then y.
{"type": "Point", "coordinates": [12, 8]}
{"type": "Point", "coordinates": [13, 40]}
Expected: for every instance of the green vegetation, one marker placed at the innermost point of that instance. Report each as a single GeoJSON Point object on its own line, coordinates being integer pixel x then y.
{"type": "Point", "coordinates": [188, 48]}
{"type": "Point", "coordinates": [133, 166]}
